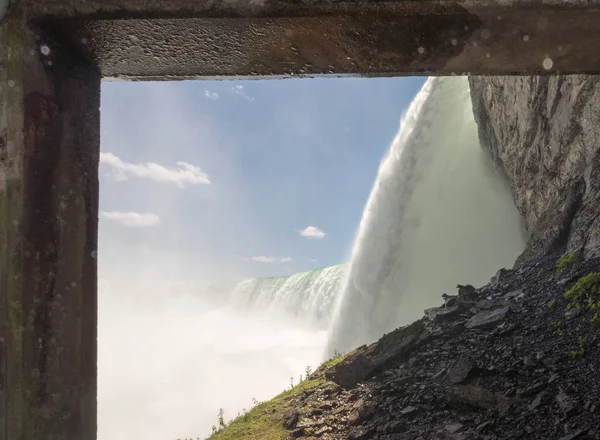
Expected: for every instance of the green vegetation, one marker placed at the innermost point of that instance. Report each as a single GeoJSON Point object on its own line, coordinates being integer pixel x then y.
{"type": "Point", "coordinates": [565, 262]}
{"type": "Point", "coordinates": [551, 303]}
{"type": "Point", "coordinates": [581, 350]}
{"type": "Point", "coordinates": [558, 328]}
{"type": "Point", "coordinates": [585, 295]}
{"type": "Point", "coordinates": [266, 420]}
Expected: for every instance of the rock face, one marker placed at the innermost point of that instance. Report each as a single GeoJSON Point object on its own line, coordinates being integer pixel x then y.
{"type": "Point", "coordinates": [545, 133]}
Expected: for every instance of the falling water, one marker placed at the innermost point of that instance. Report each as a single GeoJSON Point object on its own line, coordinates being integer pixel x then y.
{"type": "Point", "coordinates": [439, 214]}
{"type": "Point", "coordinates": [307, 295]}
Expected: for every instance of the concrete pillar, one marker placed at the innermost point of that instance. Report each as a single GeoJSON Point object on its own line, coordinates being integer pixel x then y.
{"type": "Point", "coordinates": [49, 152]}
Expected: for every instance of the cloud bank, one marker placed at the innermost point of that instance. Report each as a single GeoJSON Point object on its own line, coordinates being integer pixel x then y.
{"type": "Point", "coordinates": [132, 219]}
{"type": "Point", "coordinates": [186, 174]}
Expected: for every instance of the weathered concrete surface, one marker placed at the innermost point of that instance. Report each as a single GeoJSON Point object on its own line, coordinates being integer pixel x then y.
{"type": "Point", "coordinates": [49, 152]}
{"type": "Point", "coordinates": [173, 39]}
{"type": "Point", "coordinates": [545, 133]}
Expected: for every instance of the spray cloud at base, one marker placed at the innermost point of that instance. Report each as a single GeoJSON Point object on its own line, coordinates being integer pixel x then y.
{"type": "Point", "coordinates": [169, 362]}
{"type": "Point", "coordinates": [440, 213]}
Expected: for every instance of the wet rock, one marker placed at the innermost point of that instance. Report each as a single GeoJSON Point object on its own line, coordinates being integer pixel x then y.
{"type": "Point", "coordinates": [484, 425]}
{"type": "Point", "coordinates": [442, 313]}
{"type": "Point", "coordinates": [478, 397]}
{"type": "Point", "coordinates": [530, 361]}
{"type": "Point", "coordinates": [484, 304]}
{"type": "Point", "coordinates": [487, 319]}
{"type": "Point", "coordinates": [461, 436]}
{"type": "Point", "coordinates": [462, 370]}
{"type": "Point", "coordinates": [456, 327]}
{"type": "Point", "coordinates": [499, 276]}
{"type": "Point", "coordinates": [533, 389]}
{"type": "Point", "coordinates": [536, 402]}
{"type": "Point", "coordinates": [362, 433]}
{"type": "Point", "coordinates": [515, 294]}
{"type": "Point", "coordinates": [465, 290]}
{"type": "Point", "coordinates": [291, 420]}
{"type": "Point", "coordinates": [572, 313]}
{"type": "Point", "coordinates": [565, 403]}
{"type": "Point", "coordinates": [449, 300]}
{"type": "Point", "coordinates": [323, 430]}
{"type": "Point", "coordinates": [409, 411]}
{"type": "Point", "coordinates": [576, 435]}
{"type": "Point", "coordinates": [453, 428]}
{"type": "Point", "coordinates": [367, 360]}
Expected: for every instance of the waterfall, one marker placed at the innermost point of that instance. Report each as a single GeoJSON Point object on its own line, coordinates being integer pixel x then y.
{"type": "Point", "coordinates": [307, 295]}
{"type": "Point", "coordinates": [440, 213]}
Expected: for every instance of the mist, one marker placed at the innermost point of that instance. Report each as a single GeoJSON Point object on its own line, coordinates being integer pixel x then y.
{"type": "Point", "coordinates": [170, 353]}
{"type": "Point", "coordinates": [169, 358]}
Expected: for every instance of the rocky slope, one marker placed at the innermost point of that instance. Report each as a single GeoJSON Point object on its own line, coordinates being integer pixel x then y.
{"type": "Point", "coordinates": [545, 133]}
{"type": "Point", "coordinates": [504, 361]}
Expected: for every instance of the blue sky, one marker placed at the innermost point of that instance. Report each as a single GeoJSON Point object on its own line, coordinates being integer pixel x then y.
{"type": "Point", "coordinates": [216, 179]}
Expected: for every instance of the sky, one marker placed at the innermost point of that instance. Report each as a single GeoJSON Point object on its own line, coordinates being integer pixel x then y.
{"type": "Point", "coordinates": [240, 179]}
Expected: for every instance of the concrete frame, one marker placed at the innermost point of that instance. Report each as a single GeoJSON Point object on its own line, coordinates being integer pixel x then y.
{"type": "Point", "coordinates": [53, 54]}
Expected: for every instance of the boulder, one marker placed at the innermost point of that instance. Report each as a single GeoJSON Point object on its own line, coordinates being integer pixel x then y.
{"type": "Point", "coordinates": [487, 319]}
{"type": "Point", "coordinates": [368, 360]}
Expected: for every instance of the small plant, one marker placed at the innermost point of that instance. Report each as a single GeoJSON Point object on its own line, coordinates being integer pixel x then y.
{"type": "Point", "coordinates": [307, 371]}
{"type": "Point", "coordinates": [291, 382]}
{"type": "Point", "coordinates": [221, 418]}
{"type": "Point", "coordinates": [565, 262]}
{"type": "Point", "coordinates": [581, 350]}
{"type": "Point", "coordinates": [558, 328]}
{"type": "Point", "coordinates": [337, 354]}
{"type": "Point", "coordinates": [585, 295]}
{"type": "Point", "coordinates": [255, 402]}
{"type": "Point", "coordinates": [551, 303]}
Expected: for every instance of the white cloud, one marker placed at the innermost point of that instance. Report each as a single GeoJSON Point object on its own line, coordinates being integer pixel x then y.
{"type": "Point", "coordinates": [270, 260]}
{"type": "Point", "coordinates": [182, 176]}
{"type": "Point", "coordinates": [132, 219]}
{"type": "Point", "coordinates": [239, 90]}
{"type": "Point", "coordinates": [211, 95]}
{"type": "Point", "coordinates": [262, 259]}
{"type": "Point", "coordinates": [313, 260]}
{"type": "Point", "coordinates": [312, 232]}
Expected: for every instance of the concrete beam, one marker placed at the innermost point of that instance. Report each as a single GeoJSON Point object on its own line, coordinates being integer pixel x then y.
{"type": "Point", "coordinates": [49, 152]}
{"type": "Point", "coordinates": [180, 39]}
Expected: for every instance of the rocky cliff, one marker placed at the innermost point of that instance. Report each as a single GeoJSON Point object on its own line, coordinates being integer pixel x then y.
{"type": "Point", "coordinates": [545, 133]}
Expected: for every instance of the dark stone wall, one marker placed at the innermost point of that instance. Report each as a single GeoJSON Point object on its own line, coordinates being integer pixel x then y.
{"type": "Point", "coordinates": [49, 152]}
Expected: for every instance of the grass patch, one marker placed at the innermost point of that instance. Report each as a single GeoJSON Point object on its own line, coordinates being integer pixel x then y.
{"type": "Point", "coordinates": [585, 295]}
{"type": "Point", "coordinates": [265, 420]}
{"type": "Point", "coordinates": [565, 262]}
